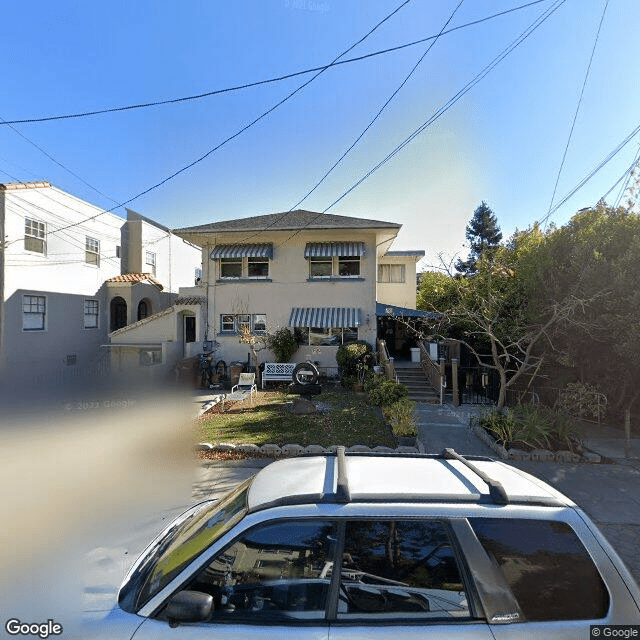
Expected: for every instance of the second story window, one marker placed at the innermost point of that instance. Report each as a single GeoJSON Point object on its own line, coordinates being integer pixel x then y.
{"type": "Point", "coordinates": [150, 262]}
{"type": "Point", "coordinates": [92, 251]}
{"type": "Point", "coordinates": [334, 259]}
{"type": "Point", "coordinates": [246, 261]}
{"type": "Point", "coordinates": [231, 268]}
{"type": "Point", "coordinates": [391, 273]}
{"type": "Point", "coordinates": [35, 234]}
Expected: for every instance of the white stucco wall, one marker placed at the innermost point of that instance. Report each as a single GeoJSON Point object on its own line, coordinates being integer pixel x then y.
{"type": "Point", "coordinates": [289, 286]}
{"type": "Point", "coordinates": [60, 275]}
{"type": "Point", "coordinates": [176, 259]}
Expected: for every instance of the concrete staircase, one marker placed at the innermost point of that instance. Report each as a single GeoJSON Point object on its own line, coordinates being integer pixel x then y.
{"type": "Point", "coordinates": [415, 380]}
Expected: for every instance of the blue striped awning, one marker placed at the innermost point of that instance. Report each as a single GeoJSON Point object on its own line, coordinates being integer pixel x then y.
{"type": "Point", "coordinates": [242, 251]}
{"type": "Point", "coordinates": [325, 317]}
{"type": "Point", "coordinates": [328, 249]}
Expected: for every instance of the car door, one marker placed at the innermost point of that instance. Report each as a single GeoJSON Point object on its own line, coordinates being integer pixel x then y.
{"type": "Point", "coordinates": [271, 582]}
{"type": "Point", "coordinates": [402, 578]}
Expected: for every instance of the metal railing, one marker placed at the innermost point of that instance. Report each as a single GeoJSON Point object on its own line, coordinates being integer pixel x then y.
{"type": "Point", "coordinates": [430, 368]}
{"type": "Point", "coordinates": [385, 360]}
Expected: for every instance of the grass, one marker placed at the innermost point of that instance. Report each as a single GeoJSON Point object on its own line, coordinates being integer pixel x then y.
{"type": "Point", "coordinates": [349, 420]}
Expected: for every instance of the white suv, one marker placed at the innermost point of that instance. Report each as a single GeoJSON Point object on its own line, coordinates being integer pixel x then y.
{"type": "Point", "coordinates": [379, 546]}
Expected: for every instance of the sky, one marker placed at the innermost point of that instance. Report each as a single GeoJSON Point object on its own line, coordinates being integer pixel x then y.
{"type": "Point", "coordinates": [502, 142]}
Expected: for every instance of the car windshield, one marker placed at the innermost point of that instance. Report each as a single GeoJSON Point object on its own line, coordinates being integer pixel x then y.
{"type": "Point", "coordinates": [182, 544]}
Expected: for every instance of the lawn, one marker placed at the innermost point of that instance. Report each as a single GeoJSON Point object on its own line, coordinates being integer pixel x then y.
{"type": "Point", "coordinates": [346, 418]}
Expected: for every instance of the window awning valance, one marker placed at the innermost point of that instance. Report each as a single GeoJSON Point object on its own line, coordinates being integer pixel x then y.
{"type": "Point", "coordinates": [325, 317]}
{"type": "Point", "coordinates": [264, 250]}
{"type": "Point", "coordinates": [329, 249]}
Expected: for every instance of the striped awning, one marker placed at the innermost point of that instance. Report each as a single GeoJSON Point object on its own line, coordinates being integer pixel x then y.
{"type": "Point", "coordinates": [325, 317]}
{"type": "Point", "coordinates": [242, 251]}
{"type": "Point", "coordinates": [328, 249]}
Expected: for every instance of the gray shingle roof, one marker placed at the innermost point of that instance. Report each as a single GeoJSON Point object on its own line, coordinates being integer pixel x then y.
{"type": "Point", "coordinates": [289, 221]}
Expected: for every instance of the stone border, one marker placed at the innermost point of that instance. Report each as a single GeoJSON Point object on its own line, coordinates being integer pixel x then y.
{"type": "Point", "coordinates": [293, 450]}
{"type": "Point", "coordinates": [540, 455]}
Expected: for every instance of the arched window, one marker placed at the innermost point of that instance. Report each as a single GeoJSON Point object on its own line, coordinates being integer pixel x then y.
{"type": "Point", "coordinates": [118, 313]}
{"type": "Point", "coordinates": [144, 309]}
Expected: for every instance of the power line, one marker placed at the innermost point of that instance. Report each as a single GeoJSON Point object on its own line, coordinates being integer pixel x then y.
{"type": "Point", "coordinates": [592, 173]}
{"type": "Point", "coordinates": [243, 129]}
{"type": "Point", "coordinates": [276, 220]}
{"type": "Point", "coordinates": [48, 155]}
{"type": "Point", "coordinates": [437, 114]}
{"type": "Point", "coordinates": [384, 106]}
{"type": "Point", "coordinates": [575, 115]}
{"type": "Point", "coordinates": [145, 105]}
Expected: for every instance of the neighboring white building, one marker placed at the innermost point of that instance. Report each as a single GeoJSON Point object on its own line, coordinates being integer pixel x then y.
{"type": "Point", "coordinates": [64, 264]}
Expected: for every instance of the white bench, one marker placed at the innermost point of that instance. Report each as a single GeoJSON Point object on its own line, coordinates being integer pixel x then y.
{"type": "Point", "coordinates": [278, 372]}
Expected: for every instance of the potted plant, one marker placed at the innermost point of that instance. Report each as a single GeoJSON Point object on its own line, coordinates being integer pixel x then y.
{"type": "Point", "coordinates": [403, 424]}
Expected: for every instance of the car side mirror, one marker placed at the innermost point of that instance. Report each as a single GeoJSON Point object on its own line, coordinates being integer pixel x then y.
{"type": "Point", "coordinates": [188, 606]}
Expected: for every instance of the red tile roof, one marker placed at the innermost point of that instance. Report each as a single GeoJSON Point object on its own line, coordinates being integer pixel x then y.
{"type": "Point", "coordinates": [135, 278]}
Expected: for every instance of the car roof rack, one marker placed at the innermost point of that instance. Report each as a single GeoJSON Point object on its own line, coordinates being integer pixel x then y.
{"type": "Point", "coordinates": [496, 490]}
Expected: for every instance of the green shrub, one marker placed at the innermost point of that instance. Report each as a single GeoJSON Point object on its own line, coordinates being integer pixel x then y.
{"type": "Point", "coordinates": [355, 359]}
{"type": "Point", "coordinates": [387, 392]}
{"type": "Point", "coordinates": [401, 418]}
{"type": "Point", "coordinates": [283, 344]}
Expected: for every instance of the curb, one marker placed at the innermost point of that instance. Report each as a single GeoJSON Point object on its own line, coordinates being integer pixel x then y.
{"type": "Point", "coordinates": [538, 455]}
{"type": "Point", "coordinates": [293, 450]}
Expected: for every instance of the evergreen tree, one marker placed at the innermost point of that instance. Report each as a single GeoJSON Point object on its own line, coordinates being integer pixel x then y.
{"type": "Point", "coordinates": [484, 236]}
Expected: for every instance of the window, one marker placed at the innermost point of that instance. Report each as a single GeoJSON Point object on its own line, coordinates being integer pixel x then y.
{"type": "Point", "coordinates": [92, 251]}
{"type": "Point", "coordinates": [348, 266]}
{"type": "Point", "coordinates": [144, 309]}
{"type": "Point", "coordinates": [227, 322]}
{"type": "Point", "coordinates": [260, 323]}
{"type": "Point", "coordinates": [394, 568]}
{"type": "Point", "coordinates": [189, 328]}
{"type": "Point", "coordinates": [252, 267]}
{"type": "Point", "coordinates": [231, 323]}
{"type": "Point", "coordinates": [320, 336]}
{"type": "Point", "coordinates": [320, 267]}
{"type": "Point", "coordinates": [150, 262]}
{"type": "Point", "coordinates": [258, 267]}
{"type": "Point", "coordinates": [91, 314]}
{"type": "Point", "coordinates": [231, 267]}
{"type": "Point", "coordinates": [337, 266]}
{"type": "Point", "coordinates": [35, 236]}
{"type": "Point", "coordinates": [33, 313]}
{"type": "Point", "coordinates": [546, 566]}
{"type": "Point", "coordinates": [274, 573]}
{"type": "Point", "coordinates": [391, 273]}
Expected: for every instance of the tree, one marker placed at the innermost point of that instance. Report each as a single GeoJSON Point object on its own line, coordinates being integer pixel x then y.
{"type": "Point", "coordinates": [484, 236]}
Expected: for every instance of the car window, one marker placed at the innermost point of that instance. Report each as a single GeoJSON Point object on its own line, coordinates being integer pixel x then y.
{"type": "Point", "coordinates": [192, 537]}
{"type": "Point", "coordinates": [400, 569]}
{"type": "Point", "coordinates": [274, 572]}
{"type": "Point", "coordinates": [546, 566]}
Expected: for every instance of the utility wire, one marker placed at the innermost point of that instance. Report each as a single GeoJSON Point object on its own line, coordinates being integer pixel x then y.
{"type": "Point", "coordinates": [145, 105]}
{"type": "Point", "coordinates": [436, 116]}
{"type": "Point", "coordinates": [48, 155]}
{"type": "Point", "coordinates": [592, 173]}
{"type": "Point", "coordinates": [393, 95]}
{"type": "Point", "coordinates": [242, 130]}
{"type": "Point", "coordinates": [384, 106]}
{"type": "Point", "coordinates": [575, 115]}
{"type": "Point", "coordinates": [629, 173]}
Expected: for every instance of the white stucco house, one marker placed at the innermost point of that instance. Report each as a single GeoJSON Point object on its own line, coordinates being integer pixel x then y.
{"type": "Point", "coordinates": [326, 277]}
{"type": "Point", "coordinates": [70, 272]}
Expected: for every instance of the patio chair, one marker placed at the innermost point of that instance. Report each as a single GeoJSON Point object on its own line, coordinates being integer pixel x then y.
{"type": "Point", "coordinates": [245, 388]}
